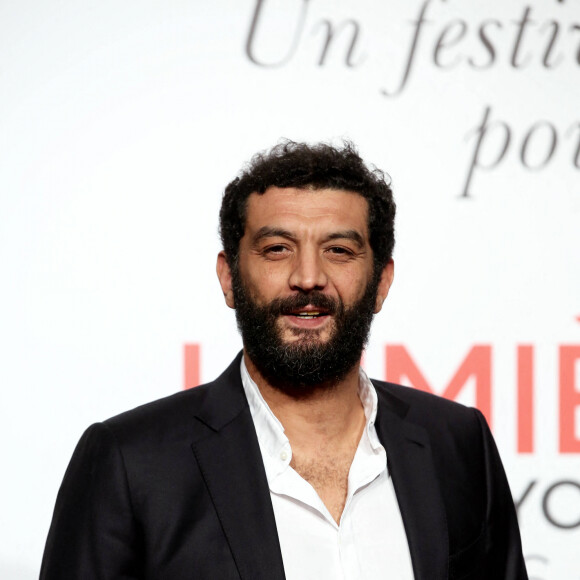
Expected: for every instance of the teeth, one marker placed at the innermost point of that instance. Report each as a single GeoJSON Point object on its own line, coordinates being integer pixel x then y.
{"type": "Point", "coordinates": [308, 314]}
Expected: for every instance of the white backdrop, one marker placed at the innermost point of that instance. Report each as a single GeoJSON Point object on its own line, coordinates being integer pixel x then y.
{"type": "Point", "coordinates": [121, 123]}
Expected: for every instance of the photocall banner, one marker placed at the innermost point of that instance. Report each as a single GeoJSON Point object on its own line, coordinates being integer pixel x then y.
{"type": "Point", "coordinates": [122, 122]}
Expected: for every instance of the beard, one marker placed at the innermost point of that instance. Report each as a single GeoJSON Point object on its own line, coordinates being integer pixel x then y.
{"type": "Point", "coordinates": [299, 366]}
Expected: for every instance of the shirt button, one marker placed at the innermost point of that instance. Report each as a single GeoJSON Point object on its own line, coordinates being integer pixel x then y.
{"type": "Point", "coordinates": [283, 456]}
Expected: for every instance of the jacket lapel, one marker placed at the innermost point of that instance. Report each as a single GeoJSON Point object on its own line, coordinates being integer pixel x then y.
{"type": "Point", "coordinates": [226, 448]}
{"type": "Point", "coordinates": [410, 465]}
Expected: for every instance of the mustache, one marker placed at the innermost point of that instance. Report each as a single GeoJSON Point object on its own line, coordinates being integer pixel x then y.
{"type": "Point", "coordinates": [288, 305]}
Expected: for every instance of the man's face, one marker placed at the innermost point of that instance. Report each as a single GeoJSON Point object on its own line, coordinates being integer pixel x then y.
{"type": "Point", "coordinates": [304, 290]}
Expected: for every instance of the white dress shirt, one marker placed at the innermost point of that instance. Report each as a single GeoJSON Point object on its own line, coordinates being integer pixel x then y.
{"type": "Point", "coordinates": [370, 541]}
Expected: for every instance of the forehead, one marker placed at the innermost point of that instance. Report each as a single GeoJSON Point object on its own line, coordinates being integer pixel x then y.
{"type": "Point", "coordinates": [307, 209]}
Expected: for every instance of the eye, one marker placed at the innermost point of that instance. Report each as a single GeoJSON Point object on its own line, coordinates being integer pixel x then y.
{"type": "Point", "coordinates": [339, 253]}
{"type": "Point", "coordinates": [275, 251]}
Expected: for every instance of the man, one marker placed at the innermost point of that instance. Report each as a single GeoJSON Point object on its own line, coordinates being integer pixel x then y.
{"type": "Point", "coordinates": [292, 464]}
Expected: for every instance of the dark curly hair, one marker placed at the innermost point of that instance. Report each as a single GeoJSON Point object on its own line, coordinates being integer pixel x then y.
{"type": "Point", "coordinates": [319, 166]}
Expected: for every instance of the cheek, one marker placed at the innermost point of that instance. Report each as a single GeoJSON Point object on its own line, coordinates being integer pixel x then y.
{"type": "Point", "coordinates": [272, 271]}
{"type": "Point", "coordinates": [265, 281]}
{"type": "Point", "coordinates": [351, 286]}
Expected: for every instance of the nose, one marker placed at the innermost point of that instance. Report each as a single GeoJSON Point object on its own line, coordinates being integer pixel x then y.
{"type": "Point", "coordinates": [308, 273]}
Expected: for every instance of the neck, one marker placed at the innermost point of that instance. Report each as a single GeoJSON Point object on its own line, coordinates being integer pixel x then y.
{"type": "Point", "coordinates": [322, 415]}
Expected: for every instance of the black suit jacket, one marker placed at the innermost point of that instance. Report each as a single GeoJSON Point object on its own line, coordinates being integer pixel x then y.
{"type": "Point", "coordinates": [176, 489]}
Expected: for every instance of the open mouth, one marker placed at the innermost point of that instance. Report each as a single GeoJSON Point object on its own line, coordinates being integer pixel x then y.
{"type": "Point", "coordinates": [308, 317]}
{"type": "Point", "coordinates": [309, 314]}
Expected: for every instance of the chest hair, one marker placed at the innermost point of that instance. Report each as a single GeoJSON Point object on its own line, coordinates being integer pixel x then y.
{"type": "Point", "coordinates": [327, 473]}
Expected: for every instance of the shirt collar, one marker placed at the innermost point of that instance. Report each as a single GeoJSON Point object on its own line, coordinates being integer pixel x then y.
{"type": "Point", "coordinates": [370, 403]}
{"type": "Point", "coordinates": [270, 431]}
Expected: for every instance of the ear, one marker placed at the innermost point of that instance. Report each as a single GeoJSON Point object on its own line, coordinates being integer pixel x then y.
{"type": "Point", "coordinates": [225, 277]}
{"type": "Point", "coordinates": [385, 282]}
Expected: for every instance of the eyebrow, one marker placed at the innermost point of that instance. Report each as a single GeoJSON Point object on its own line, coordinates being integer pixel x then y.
{"type": "Point", "coordinates": [272, 232]}
{"type": "Point", "coordinates": [347, 235]}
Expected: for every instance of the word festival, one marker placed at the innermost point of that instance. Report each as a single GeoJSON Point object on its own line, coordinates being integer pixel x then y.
{"type": "Point", "coordinates": [475, 368]}
{"type": "Point", "coordinates": [280, 33]}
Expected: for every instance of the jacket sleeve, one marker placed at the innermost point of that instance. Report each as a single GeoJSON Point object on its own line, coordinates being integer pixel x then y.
{"type": "Point", "coordinates": [503, 548]}
{"type": "Point", "coordinates": [94, 533]}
